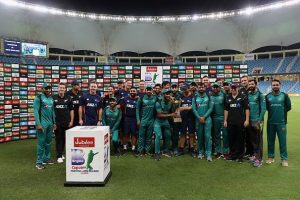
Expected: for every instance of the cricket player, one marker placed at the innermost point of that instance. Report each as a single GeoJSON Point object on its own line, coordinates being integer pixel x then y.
{"type": "Point", "coordinates": [278, 105]}
{"type": "Point", "coordinates": [45, 122]}
{"type": "Point", "coordinates": [145, 116]}
{"type": "Point", "coordinates": [111, 117]}
{"type": "Point", "coordinates": [202, 108]}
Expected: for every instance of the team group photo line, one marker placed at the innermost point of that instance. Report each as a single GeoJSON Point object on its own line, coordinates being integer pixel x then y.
{"type": "Point", "coordinates": [220, 120]}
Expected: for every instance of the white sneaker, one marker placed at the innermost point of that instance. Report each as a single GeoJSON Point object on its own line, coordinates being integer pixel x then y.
{"type": "Point", "coordinates": [60, 160]}
{"type": "Point", "coordinates": [63, 157]}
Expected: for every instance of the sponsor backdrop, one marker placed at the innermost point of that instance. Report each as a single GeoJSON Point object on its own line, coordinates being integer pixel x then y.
{"type": "Point", "coordinates": [19, 84]}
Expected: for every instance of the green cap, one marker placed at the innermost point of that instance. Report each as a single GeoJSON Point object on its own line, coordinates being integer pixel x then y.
{"type": "Point", "coordinates": [46, 85]}
{"type": "Point", "coordinates": [216, 84]}
{"type": "Point", "coordinates": [164, 91]}
{"type": "Point", "coordinates": [113, 98]}
{"type": "Point", "coordinates": [226, 83]}
{"type": "Point", "coordinates": [148, 87]}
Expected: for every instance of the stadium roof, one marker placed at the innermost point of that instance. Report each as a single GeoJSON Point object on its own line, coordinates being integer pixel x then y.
{"type": "Point", "coordinates": [151, 8]}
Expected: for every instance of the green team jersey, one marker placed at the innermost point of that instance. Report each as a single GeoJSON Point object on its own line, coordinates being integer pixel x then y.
{"type": "Point", "coordinates": [44, 110]}
{"type": "Point", "coordinates": [202, 106]}
{"type": "Point", "coordinates": [165, 108]}
{"type": "Point", "coordinates": [277, 107]}
{"type": "Point", "coordinates": [111, 118]}
{"type": "Point", "coordinates": [218, 102]}
{"type": "Point", "coordinates": [146, 108]}
{"type": "Point", "coordinates": [257, 104]}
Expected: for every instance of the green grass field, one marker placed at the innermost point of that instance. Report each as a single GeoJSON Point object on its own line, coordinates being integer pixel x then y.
{"type": "Point", "coordinates": [144, 178]}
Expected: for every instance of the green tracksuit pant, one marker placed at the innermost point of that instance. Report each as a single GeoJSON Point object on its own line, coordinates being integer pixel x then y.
{"type": "Point", "coordinates": [280, 129]}
{"type": "Point", "coordinates": [218, 129]}
{"type": "Point", "coordinates": [204, 137]}
{"type": "Point", "coordinates": [44, 140]}
{"type": "Point", "coordinates": [159, 129]}
{"type": "Point", "coordinates": [145, 134]}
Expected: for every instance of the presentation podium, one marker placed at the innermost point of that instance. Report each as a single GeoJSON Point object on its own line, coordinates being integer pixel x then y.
{"type": "Point", "coordinates": [87, 156]}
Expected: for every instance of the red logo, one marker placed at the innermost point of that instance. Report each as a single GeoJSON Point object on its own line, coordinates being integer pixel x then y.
{"type": "Point", "coordinates": [7, 69]}
{"type": "Point", "coordinates": [121, 71]}
{"type": "Point", "coordinates": [23, 71]}
{"type": "Point", "coordinates": [84, 72]}
{"type": "Point", "coordinates": [7, 83]}
{"type": "Point", "coordinates": [47, 72]}
{"type": "Point", "coordinates": [77, 68]}
{"type": "Point", "coordinates": [114, 67]}
{"type": "Point", "coordinates": [84, 142]}
{"type": "Point", "coordinates": [99, 72]}
{"type": "Point", "coordinates": [151, 69]}
{"type": "Point", "coordinates": [106, 138]}
{"type": "Point", "coordinates": [39, 67]}
{"type": "Point", "coordinates": [136, 72]}
{"type": "Point", "coordinates": [22, 137]}
{"type": "Point", "coordinates": [189, 67]}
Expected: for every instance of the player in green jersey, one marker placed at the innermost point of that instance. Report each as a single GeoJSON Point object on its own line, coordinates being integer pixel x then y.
{"type": "Point", "coordinates": [202, 108]}
{"type": "Point", "coordinates": [278, 104]}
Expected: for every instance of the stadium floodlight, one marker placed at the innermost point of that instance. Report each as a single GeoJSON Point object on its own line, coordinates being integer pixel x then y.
{"type": "Point", "coordinates": [130, 19]}
{"type": "Point", "coordinates": [72, 14]}
{"type": "Point", "coordinates": [146, 19]}
{"type": "Point", "coordinates": [150, 19]}
{"type": "Point", "coordinates": [92, 16]}
{"type": "Point", "coordinates": [184, 18]}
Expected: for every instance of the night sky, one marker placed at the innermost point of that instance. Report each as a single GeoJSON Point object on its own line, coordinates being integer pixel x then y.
{"type": "Point", "coordinates": [153, 7]}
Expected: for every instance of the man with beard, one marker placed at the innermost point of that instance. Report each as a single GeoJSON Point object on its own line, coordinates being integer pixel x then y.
{"type": "Point", "coordinates": [220, 133]}
{"type": "Point", "coordinates": [236, 118]}
{"type": "Point", "coordinates": [110, 94]}
{"type": "Point", "coordinates": [128, 105]}
{"type": "Point", "coordinates": [278, 104]}
{"type": "Point", "coordinates": [75, 95]}
{"type": "Point", "coordinates": [145, 115]}
{"type": "Point", "coordinates": [45, 122]}
{"type": "Point", "coordinates": [188, 121]}
{"type": "Point", "coordinates": [162, 125]}
{"type": "Point", "coordinates": [202, 108]}
{"type": "Point", "coordinates": [64, 119]}
{"type": "Point", "coordinates": [112, 117]}
{"type": "Point", "coordinates": [226, 88]}
{"type": "Point", "coordinates": [90, 110]}
{"type": "Point", "coordinates": [257, 105]}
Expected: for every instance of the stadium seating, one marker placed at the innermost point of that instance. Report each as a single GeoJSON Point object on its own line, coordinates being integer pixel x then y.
{"type": "Point", "coordinates": [268, 65]}
{"type": "Point", "coordinates": [286, 62]}
{"type": "Point", "coordinates": [264, 86]}
{"type": "Point", "coordinates": [296, 67]}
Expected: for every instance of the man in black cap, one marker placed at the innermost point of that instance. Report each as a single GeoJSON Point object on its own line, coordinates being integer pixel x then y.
{"type": "Point", "coordinates": [236, 119]}
{"type": "Point", "coordinates": [75, 94]}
